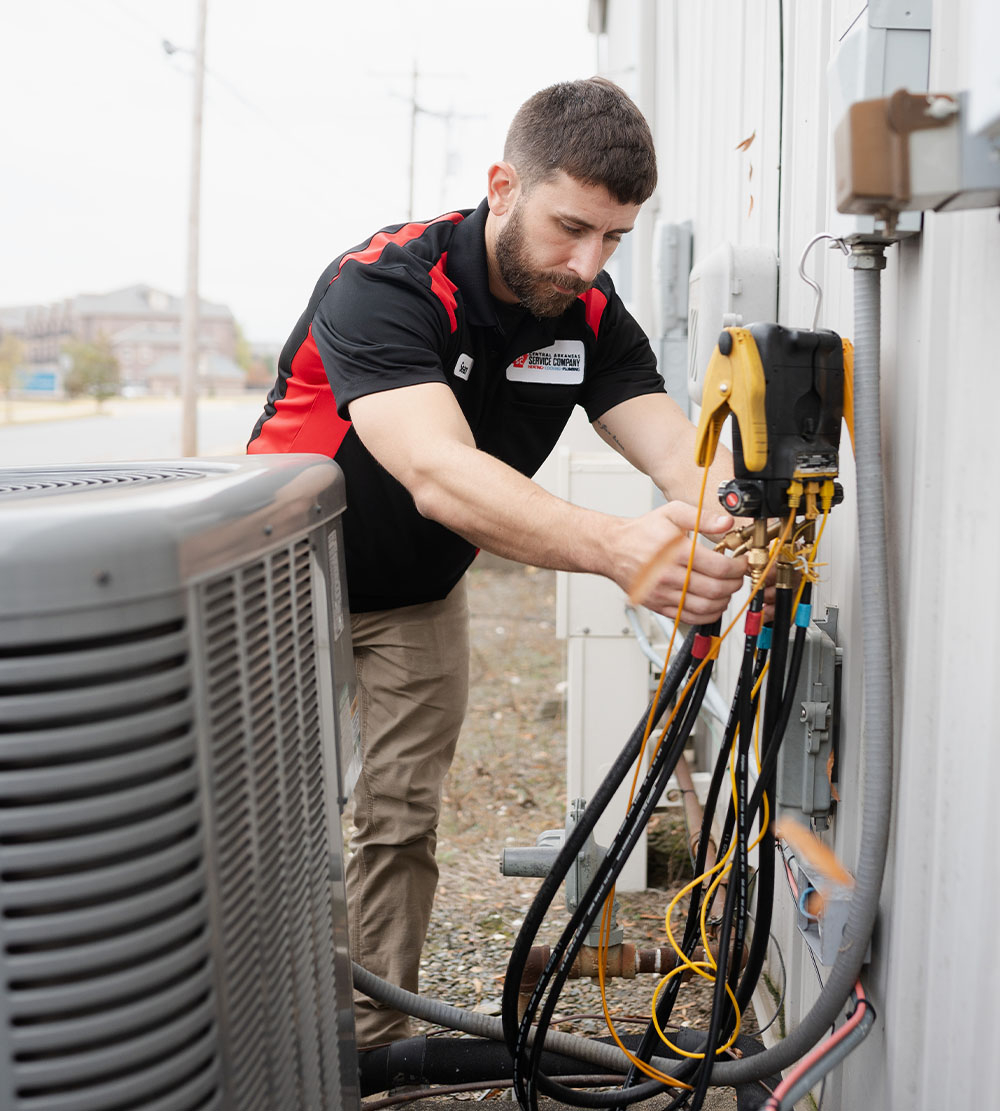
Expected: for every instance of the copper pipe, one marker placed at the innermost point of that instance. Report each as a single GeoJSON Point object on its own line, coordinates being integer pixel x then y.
{"type": "Point", "coordinates": [623, 961]}
{"type": "Point", "coordinates": [693, 811]}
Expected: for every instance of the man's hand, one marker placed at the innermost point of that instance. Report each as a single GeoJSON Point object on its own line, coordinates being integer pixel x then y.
{"type": "Point", "coordinates": [653, 552]}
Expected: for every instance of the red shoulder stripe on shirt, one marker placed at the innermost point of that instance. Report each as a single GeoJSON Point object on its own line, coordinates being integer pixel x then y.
{"type": "Point", "coordinates": [443, 289]}
{"type": "Point", "coordinates": [306, 418]}
{"type": "Point", "coordinates": [594, 302]}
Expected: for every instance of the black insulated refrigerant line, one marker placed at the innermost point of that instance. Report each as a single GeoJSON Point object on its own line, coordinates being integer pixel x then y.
{"type": "Point", "coordinates": [781, 694]}
{"type": "Point", "coordinates": [526, 1075]}
{"type": "Point", "coordinates": [591, 905]}
{"type": "Point", "coordinates": [635, 822]}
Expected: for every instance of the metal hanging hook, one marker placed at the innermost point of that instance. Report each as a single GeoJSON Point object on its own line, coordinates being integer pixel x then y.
{"type": "Point", "coordinates": [805, 277]}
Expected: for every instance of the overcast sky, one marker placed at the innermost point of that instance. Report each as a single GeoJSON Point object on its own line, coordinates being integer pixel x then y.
{"type": "Point", "coordinates": [306, 134]}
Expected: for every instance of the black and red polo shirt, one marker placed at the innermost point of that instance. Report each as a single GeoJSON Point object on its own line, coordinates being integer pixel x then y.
{"type": "Point", "coordinates": [412, 304]}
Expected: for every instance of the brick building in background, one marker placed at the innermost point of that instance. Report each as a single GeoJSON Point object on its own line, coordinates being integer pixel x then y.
{"type": "Point", "coordinates": [144, 327]}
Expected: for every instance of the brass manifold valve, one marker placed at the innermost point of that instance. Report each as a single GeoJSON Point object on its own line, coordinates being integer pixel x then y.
{"type": "Point", "coordinates": [785, 388]}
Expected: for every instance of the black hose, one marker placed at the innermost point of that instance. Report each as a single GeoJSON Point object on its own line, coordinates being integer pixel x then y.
{"type": "Point", "coordinates": [772, 742]}
{"type": "Point", "coordinates": [779, 654]}
{"type": "Point", "coordinates": [744, 817]}
{"type": "Point", "coordinates": [574, 842]}
{"type": "Point", "coordinates": [766, 782]}
{"type": "Point", "coordinates": [668, 997]}
{"type": "Point", "coordinates": [423, 1060]}
{"type": "Point", "coordinates": [574, 935]}
{"type": "Point", "coordinates": [781, 694]}
{"type": "Point", "coordinates": [719, 1001]}
{"type": "Point", "coordinates": [732, 928]}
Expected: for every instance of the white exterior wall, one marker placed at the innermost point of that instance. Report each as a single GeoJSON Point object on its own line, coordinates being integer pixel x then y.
{"type": "Point", "coordinates": [716, 80]}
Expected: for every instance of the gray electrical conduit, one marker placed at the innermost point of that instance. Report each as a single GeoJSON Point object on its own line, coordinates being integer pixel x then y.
{"type": "Point", "coordinates": [876, 777]}
{"type": "Point", "coordinates": [486, 1026]}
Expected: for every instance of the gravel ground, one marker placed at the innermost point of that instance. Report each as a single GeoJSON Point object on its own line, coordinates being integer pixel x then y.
{"type": "Point", "coordinates": [506, 786]}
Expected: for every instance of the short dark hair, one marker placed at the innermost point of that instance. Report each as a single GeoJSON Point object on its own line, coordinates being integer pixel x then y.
{"type": "Point", "coordinates": [590, 129]}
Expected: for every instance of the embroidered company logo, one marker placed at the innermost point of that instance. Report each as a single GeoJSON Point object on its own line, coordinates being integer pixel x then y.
{"type": "Point", "coordinates": [463, 368]}
{"type": "Point", "coordinates": [561, 364]}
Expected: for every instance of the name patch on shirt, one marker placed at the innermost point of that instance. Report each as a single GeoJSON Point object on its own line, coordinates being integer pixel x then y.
{"type": "Point", "coordinates": [463, 368]}
{"type": "Point", "coordinates": [560, 364]}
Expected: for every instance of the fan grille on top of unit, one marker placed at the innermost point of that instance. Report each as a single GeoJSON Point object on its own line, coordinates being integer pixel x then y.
{"type": "Point", "coordinates": [62, 480]}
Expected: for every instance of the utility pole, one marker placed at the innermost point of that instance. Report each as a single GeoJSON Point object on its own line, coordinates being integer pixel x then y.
{"type": "Point", "coordinates": [190, 316]}
{"type": "Point", "coordinates": [416, 110]}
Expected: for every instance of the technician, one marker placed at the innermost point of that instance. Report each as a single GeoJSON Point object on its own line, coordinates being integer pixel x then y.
{"type": "Point", "coordinates": [438, 363]}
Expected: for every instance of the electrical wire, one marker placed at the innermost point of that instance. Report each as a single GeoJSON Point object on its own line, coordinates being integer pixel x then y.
{"type": "Point", "coordinates": [825, 1056]}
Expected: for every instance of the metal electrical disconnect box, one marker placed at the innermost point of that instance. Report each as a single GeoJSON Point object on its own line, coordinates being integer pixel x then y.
{"type": "Point", "coordinates": [885, 47]}
{"type": "Point", "coordinates": [805, 761]}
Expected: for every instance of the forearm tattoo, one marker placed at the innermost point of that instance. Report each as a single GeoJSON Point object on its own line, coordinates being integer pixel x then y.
{"type": "Point", "coordinates": [611, 436]}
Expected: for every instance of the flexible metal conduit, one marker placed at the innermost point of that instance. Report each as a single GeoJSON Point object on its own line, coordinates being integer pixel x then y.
{"type": "Point", "coordinates": [473, 1022]}
{"type": "Point", "coordinates": [876, 776]}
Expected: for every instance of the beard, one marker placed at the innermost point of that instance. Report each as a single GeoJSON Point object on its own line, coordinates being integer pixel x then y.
{"type": "Point", "coordinates": [535, 289]}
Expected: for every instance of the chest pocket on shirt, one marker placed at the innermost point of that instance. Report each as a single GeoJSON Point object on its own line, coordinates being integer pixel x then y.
{"type": "Point", "coordinates": [549, 378]}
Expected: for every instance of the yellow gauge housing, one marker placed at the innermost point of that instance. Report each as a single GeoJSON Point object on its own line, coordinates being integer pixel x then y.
{"type": "Point", "coordinates": [734, 383]}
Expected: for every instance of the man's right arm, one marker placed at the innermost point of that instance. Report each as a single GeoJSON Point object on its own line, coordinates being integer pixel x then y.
{"type": "Point", "coordinates": [419, 434]}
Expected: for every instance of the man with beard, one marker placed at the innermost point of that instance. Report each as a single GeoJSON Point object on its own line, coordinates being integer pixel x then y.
{"type": "Point", "coordinates": [438, 363]}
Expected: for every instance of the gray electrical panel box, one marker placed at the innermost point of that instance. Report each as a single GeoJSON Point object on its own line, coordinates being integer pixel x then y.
{"type": "Point", "coordinates": [885, 47]}
{"type": "Point", "coordinates": [806, 754]}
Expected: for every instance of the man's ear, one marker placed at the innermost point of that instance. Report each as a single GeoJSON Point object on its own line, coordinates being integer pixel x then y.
{"type": "Point", "coordinates": [503, 185]}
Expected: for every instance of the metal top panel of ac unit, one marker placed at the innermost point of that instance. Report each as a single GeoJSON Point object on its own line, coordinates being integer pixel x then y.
{"type": "Point", "coordinates": [105, 533]}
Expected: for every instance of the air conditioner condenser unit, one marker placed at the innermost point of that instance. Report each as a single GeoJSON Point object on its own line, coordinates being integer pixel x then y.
{"type": "Point", "coordinates": [177, 735]}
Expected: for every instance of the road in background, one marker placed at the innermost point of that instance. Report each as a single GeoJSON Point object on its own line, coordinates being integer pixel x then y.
{"type": "Point", "coordinates": [42, 433]}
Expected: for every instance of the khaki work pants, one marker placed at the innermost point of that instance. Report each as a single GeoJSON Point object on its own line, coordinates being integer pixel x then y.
{"type": "Point", "coordinates": [412, 668]}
